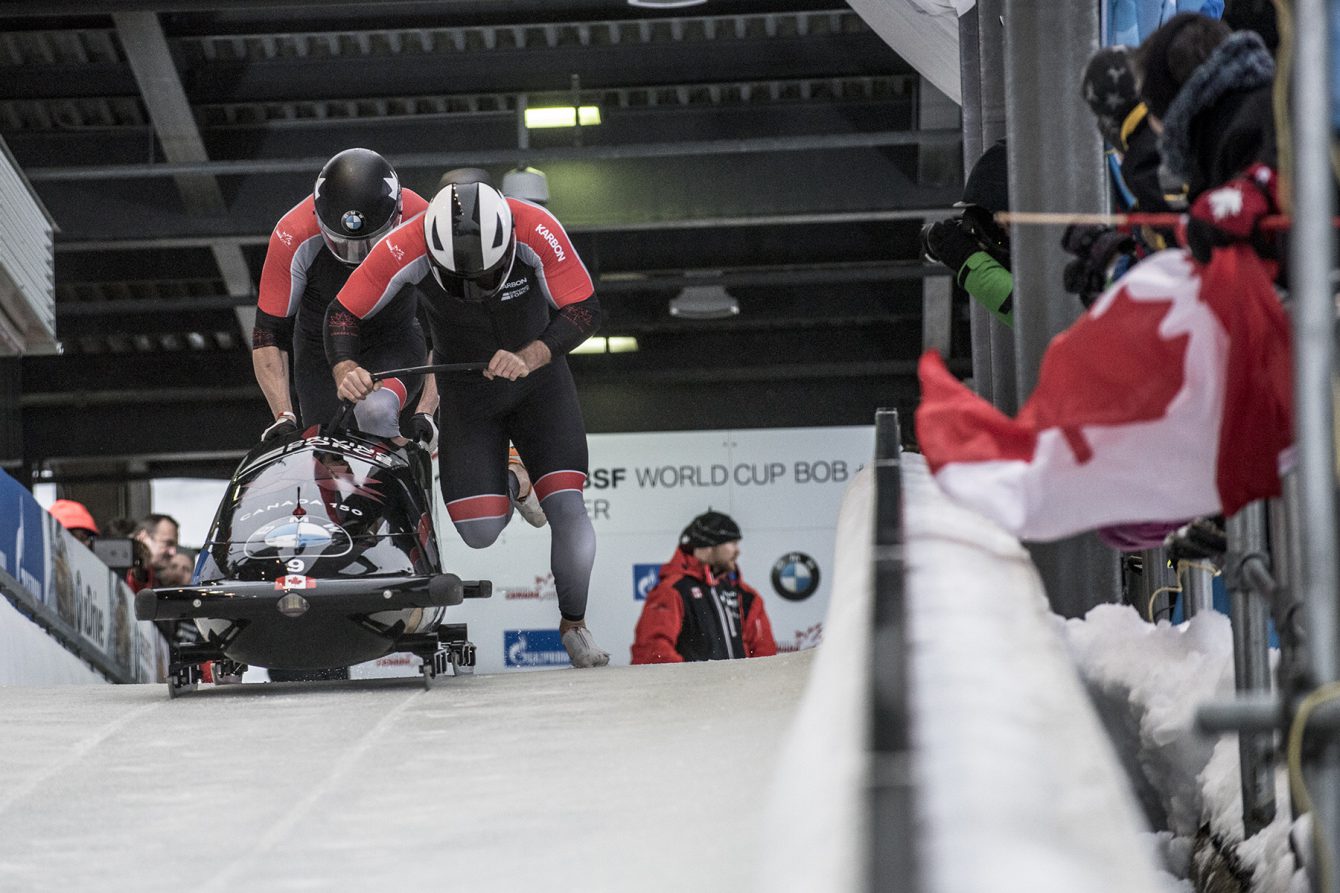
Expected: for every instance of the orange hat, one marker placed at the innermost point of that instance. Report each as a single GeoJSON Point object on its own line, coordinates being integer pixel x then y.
{"type": "Point", "coordinates": [73, 515]}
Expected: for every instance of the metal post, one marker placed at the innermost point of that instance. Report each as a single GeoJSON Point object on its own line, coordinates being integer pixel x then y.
{"type": "Point", "coordinates": [1283, 537]}
{"type": "Point", "coordinates": [970, 77]}
{"type": "Point", "coordinates": [1311, 250]}
{"type": "Point", "coordinates": [991, 71]}
{"type": "Point", "coordinates": [1197, 590]}
{"type": "Point", "coordinates": [1251, 661]}
{"type": "Point", "coordinates": [1156, 576]}
{"type": "Point", "coordinates": [1056, 164]}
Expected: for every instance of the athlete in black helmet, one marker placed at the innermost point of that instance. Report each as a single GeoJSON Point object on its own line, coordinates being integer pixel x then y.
{"type": "Point", "coordinates": [357, 199]}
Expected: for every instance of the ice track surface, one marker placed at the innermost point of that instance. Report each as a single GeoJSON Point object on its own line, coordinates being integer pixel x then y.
{"type": "Point", "coordinates": [627, 778]}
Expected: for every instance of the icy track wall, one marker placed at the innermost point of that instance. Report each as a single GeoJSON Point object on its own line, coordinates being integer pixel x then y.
{"type": "Point", "coordinates": [1018, 786]}
{"type": "Point", "coordinates": [65, 617]}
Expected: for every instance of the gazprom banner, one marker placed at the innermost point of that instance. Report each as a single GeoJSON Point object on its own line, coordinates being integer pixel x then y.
{"type": "Point", "coordinates": [782, 486]}
{"type": "Point", "coordinates": [82, 603]}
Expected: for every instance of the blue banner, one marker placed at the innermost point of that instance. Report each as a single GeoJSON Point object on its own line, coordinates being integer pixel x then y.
{"type": "Point", "coordinates": [23, 538]}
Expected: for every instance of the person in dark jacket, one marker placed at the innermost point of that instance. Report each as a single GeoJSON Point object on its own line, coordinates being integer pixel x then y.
{"type": "Point", "coordinates": [1210, 93]}
{"type": "Point", "coordinates": [973, 246]}
{"type": "Point", "coordinates": [701, 609]}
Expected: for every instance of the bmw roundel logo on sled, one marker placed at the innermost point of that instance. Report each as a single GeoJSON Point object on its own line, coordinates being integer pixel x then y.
{"type": "Point", "coordinates": [795, 576]}
{"type": "Point", "coordinates": [302, 536]}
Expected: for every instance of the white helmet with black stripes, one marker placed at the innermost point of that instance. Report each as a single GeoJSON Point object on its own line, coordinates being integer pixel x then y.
{"type": "Point", "coordinates": [471, 240]}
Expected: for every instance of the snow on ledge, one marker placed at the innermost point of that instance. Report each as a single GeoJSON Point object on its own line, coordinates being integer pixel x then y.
{"type": "Point", "coordinates": [1018, 786]}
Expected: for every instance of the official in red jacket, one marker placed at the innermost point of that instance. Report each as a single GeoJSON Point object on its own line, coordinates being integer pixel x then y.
{"type": "Point", "coordinates": [701, 609]}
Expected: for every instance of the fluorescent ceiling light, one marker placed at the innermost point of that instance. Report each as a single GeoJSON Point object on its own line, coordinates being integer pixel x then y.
{"type": "Point", "coordinates": [665, 4]}
{"type": "Point", "coordinates": [704, 302]}
{"type": "Point", "coordinates": [562, 116]}
{"type": "Point", "coordinates": [612, 344]}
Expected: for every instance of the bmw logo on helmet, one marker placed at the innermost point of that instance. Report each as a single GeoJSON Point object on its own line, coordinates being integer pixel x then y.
{"type": "Point", "coordinates": [795, 576]}
{"type": "Point", "coordinates": [352, 221]}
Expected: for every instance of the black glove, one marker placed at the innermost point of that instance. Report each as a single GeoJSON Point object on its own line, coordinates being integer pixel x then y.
{"type": "Point", "coordinates": [423, 430]}
{"type": "Point", "coordinates": [1200, 539]}
{"type": "Point", "coordinates": [950, 244]}
{"type": "Point", "coordinates": [283, 425]}
{"type": "Point", "coordinates": [1095, 249]}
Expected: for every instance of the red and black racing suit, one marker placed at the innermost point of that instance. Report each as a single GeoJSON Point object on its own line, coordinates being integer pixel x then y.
{"type": "Point", "coordinates": [549, 296]}
{"type": "Point", "coordinates": [692, 614]}
{"type": "Point", "coordinates": [300, 279]}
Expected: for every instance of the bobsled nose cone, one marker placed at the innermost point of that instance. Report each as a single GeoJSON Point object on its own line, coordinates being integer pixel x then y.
{"type": "Point", "coordinates": [292, 605]}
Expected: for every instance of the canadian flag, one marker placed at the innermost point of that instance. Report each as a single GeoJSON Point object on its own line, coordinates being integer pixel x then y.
{"type": "Point", "coordinates": [1170, 398]}
{"type": "Point", "coordinates": [295, 581]}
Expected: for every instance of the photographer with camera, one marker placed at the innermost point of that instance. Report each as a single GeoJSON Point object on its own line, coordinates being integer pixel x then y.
{"type": "Point", "coordinates": [973, 246]}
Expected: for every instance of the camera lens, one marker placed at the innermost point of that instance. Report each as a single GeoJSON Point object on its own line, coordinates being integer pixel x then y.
{"type": "Point", "coordinates": [924, 243]}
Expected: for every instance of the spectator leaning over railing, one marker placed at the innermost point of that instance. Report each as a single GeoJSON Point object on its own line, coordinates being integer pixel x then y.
{"type": "Point", "coordinates": [701, 608]}
{"type": "Point", "coordinates": [1210, 95]}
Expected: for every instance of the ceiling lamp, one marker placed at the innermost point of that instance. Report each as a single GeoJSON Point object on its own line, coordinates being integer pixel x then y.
{"type": "Point", "coordinates": [665, 4]}
{"type": "Point", "coordinates": [704, 302]}
{"type": "Point", "coordinates": [562, 116]}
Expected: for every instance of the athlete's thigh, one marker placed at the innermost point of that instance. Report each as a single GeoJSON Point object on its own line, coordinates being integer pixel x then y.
{"type": "Point", "coordinates": [546, 425]}
{"type": "Point", "coordinates": [472, 443]}
{"type": "Point", "coordinates": [312, 378]}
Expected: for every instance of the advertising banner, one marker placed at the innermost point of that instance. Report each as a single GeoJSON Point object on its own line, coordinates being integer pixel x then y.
{"type": "Point", "coordinates": [83, 604]}
{"type": "Point", "coordinates": [782, 486]}
{"type": "Point", "coordinates": [23, 542]}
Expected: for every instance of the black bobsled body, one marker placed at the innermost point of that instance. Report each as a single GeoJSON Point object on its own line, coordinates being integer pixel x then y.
{"type": "Point", "coordinates": [322, 554]}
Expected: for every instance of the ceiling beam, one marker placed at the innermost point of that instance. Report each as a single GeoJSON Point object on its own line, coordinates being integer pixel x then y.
{"type": "Point", "coordinates": [160, 85]}
{"type": "Point", "coordinates": [439, 161]}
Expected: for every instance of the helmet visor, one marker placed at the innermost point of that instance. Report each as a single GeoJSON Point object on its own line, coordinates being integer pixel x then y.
{"type": "Point", "coordinates": [478, 287]}
{"type": "Point", "coordinates": [352, 251]}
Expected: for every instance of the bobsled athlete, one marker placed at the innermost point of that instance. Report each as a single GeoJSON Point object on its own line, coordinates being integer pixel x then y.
{"type": "Point", "coordinates": [313, 250]}
{"type": "Point", "coordinates": [500, 283]}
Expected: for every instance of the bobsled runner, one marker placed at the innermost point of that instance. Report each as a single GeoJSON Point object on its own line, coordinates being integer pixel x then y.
{"type": "Point", "coordinates": [322, 554]}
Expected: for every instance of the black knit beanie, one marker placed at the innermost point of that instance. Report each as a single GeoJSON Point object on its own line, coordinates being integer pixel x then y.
{"type": "Point", "coordinates": [1170, 54]}
{"type": "Point", "coordinates": [709, 529]}
{"type": "Point", "coordinates": [1109, 89]}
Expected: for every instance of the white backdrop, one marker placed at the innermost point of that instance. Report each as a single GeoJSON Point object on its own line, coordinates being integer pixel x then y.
{"type": "Point", "coordinates": [783, 486]}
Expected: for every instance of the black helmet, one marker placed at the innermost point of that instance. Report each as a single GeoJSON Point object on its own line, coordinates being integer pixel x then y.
{"type": "Point", "coordinates": [988, 183]}
{"type": "Point", "coordinates": [471, 240]}
{"type": "Point", "coordinates": [709, 529]}
{"type": "Point", "coordinates": [357, 198]}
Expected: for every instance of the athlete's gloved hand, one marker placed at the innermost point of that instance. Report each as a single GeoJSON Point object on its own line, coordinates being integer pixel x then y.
{"type": "Point", "coordinates": [423, 430]}
{"type": "Point", "coordinates": [951, 244]}
{"type": "Point", "coordinates": [1232, 213]}
{"type": "Point", "coordinates": [284, 424]}
{"type": "Point", "coordinates": [1096, 249]}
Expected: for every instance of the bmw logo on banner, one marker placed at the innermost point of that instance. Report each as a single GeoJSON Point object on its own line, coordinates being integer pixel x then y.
{"type": "Point", "coordinates": [795, 576]}
{"type": "Point", "coordinates": [644, 580]}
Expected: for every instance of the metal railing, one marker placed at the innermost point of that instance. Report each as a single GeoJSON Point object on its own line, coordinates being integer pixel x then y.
{"type": "Point", "coordinates": [891, 829]}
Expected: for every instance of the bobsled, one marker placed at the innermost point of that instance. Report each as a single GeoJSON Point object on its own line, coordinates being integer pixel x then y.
{"type": "Point", "coordinates": [322, 554]}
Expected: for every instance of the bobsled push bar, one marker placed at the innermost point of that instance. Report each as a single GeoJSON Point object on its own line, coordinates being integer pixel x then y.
{"type": "Point", "coordinates": [342, 414]}
{"type": "Point", "coordinates": [239, 600]}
